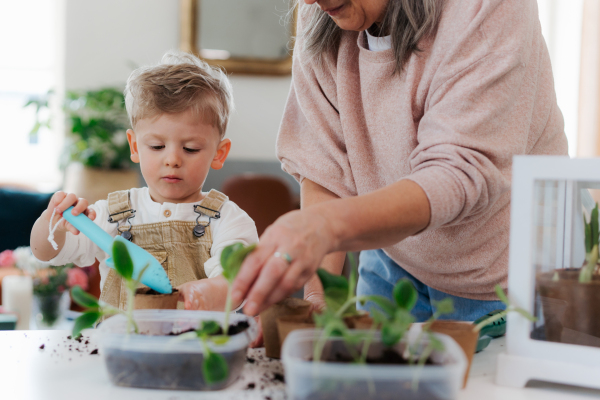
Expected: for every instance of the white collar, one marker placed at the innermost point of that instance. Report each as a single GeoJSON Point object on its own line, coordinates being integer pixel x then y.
{"type": "Point", "coordinates": [379, 43]}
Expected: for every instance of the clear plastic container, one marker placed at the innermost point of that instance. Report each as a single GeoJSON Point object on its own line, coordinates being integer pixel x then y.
{"type": "Point", "coordinates": [336, 380]}
{"type": "Point", "coordinates": [154, 360]}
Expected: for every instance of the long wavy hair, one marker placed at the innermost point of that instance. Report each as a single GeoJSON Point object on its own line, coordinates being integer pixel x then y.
{"type": "Point", "coordinates": [407, 21]}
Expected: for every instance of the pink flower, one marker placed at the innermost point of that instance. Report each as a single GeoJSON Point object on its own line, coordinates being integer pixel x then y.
{"type": "Point", "coordinates": [76, 276]}
{"type": "Point", "coordinates": [7, 258]}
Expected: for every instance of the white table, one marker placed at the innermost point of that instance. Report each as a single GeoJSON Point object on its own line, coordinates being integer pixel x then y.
{"type": "Point", "coordinates": [62, 372]}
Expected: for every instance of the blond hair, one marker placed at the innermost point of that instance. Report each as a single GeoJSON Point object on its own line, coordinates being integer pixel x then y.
{"type": "Point", "coordinates": [180, 82]}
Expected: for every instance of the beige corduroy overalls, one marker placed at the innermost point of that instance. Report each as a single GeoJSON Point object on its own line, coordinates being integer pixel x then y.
{"type": "Point", "coordinates": [173, 243]}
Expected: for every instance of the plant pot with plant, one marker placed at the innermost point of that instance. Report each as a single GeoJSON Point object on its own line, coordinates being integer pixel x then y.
{"type": "Point", "coordinates": [382, 362]}
{"type": "Point", "coordinates": [170, 349]}
{"type": "Point", "coordinates": [571, 297]}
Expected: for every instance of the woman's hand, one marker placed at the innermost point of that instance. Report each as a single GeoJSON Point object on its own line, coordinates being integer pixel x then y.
{"type": "Point", "coordinates": [266, 276]}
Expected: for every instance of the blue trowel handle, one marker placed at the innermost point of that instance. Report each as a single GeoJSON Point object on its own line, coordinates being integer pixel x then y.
{"type": "Point", "coordinates": [90, 229]}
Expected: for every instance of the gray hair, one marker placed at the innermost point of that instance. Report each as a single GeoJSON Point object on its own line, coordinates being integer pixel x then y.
{"type": "Point", "coordinates": [180, 82]}
{"type": "Point", "coordinates": [407, 21]}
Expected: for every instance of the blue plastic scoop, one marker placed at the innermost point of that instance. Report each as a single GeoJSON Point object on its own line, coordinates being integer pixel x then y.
{"type": "Point", "coordinates": [154, 277]}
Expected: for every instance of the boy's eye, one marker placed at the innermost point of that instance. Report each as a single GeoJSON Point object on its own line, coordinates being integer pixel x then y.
{"type": "Point", "coordinates": [191, 150]}
{"type": "Point", "coordinates": [157, 147]}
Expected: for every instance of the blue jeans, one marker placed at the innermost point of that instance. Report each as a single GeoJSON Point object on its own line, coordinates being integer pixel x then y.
{"type": "Point", "coordinates": [378, 273]}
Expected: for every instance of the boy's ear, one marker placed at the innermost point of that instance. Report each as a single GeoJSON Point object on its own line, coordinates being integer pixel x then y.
{"type": "Point", "coordinates": [135, 156]}
{"type": "Point", "coordinates": [221, 154]}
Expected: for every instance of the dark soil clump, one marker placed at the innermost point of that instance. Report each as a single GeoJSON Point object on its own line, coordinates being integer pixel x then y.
{"type": "Point", "coordinates": [234, 329]}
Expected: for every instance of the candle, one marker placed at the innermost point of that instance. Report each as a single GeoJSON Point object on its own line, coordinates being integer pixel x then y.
{"type": "Point", "coordinates": [17, 294]}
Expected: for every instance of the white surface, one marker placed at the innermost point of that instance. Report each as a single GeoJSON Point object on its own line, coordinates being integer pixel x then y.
{"type": "Point", "coordinates": [60, 372]}
{"type": "Point", "coordinates": [17, 295]}
{"type": "Point", "coordinates": [28, 373]}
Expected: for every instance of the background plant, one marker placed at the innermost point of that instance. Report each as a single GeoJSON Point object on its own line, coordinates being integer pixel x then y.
{"type": "Point", "coordinates": [592, 236]}
{"type": "Point", "coordinates": [96, 121]}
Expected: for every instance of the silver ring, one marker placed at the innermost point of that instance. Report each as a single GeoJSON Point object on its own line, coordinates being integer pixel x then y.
{"type": "Point", "coordinates": [284, 256]}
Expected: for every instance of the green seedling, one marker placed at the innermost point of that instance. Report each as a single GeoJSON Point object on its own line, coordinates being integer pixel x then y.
{"type": "Point", "coordinates": [94, 309]}
{"type": "Point", "coordinates": [232, 258]}
{"type": "Point", "coordinates": [214, 366]}
{"type": "Point", "coordinates": [392, 317]}
{"type": "Point", "coordinates": [592, 236]}
{"type": "Point", "coordinates": [510, 307]}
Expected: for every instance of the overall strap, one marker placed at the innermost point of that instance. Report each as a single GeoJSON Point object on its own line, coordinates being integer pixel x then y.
{"type": "Point", "coordinates": [212, 203]}
{"type": "Point", "coordinates": [119, 206]}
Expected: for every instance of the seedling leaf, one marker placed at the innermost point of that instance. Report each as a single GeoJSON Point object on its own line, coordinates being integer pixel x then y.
{"type": "Point", "coordinates": [444, 306]}
{"type": "Point", "coordinates": [232, 259]}
{"type": "Point", "coordinates": [85, 320]}
{"type": "Point", "coordinates": [501, 295]}
{"type": "Point", "coordinates": [335, 298]}
{"type": "Point", "coordinates": [122, 260]}
{"type": "Point", "coordinates": [386, 305]}
{"type": "Point", "coordinates": [83, 298]}
{"type": "Point", "coordinates": [219, 340]}
{"type": "Point", "coordinates": [208, 328]}
{"type": "Point", "coordinates": [214, 368]}
{"type": "Point", "coordinates": [405, 294]}
{"type": "Point", "coordinates": [329, 281]}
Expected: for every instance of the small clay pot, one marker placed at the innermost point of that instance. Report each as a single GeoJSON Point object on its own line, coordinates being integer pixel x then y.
{"type": "Point", "coordinates": [571, 309]}
{"type": "Point", "coordinates": [155, 301]}
{"type": "Point", "coordinates": [463, 334]}
{"type": "Point", "coordinates": [287, 324]}
{"type": "Point", "coordinates": [268, 319]}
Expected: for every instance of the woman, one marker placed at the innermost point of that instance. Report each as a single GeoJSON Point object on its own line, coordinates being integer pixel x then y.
{"type": "Point", "coordinates": [401, 125]}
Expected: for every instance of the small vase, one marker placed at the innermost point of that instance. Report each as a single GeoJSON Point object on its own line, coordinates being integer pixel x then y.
{"type": "Point", "coordinates": [50, 308]}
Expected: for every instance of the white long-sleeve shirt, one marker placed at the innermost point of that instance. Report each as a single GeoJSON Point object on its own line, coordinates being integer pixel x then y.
{"type": "Point", "coordinates": [233, 226]}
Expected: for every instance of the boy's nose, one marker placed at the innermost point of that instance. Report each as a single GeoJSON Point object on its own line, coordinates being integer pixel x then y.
{"type": "Point", "coordinates": [173, 160]}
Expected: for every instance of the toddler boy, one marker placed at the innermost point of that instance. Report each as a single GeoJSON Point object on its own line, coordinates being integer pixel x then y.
{"type": "Point", "coordinates": [178, 111]}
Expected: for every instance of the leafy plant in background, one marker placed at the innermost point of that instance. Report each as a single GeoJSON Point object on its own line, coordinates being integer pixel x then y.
{"type": "Point", "coordinates": [97, 123]}
{"type": "Point", "coordinates": [592, 236]}
{"type": "Point", "coordinates": [94, 309]}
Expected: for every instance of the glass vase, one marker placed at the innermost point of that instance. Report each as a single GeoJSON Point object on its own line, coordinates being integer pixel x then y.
{"type": "Point", "coordinates": [50, 309]}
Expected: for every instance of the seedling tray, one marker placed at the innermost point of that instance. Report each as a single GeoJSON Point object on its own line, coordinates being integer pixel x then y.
{"type": "Point", "coordinates": [152, 359]}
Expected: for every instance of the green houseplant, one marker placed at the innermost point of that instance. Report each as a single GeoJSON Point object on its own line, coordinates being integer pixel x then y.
{"type": "Point", "coordinates": [96, 156]}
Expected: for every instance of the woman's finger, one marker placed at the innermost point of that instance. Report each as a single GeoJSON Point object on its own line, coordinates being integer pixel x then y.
{"type": "Point", "coordinates": [267, 281]}
{"type": "Point", "coordinates": [290, 282]}
{"type": "Point", "coordinates": [249, 271]}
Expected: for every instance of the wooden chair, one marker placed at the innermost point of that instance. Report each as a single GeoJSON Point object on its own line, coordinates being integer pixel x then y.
{"type": "Point", "coordinates": [264, 197]}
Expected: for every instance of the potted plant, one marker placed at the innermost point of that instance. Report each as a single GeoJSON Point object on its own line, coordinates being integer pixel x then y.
{"type": "Point", "coordinates": [335, 361]}
{"type": "Point", "coordinates": [96, 158]}
{"type": "Point", "coordinates": [50, 284]}
{"type": "Point", "coordinates": [170, 349]}
{"type": "Point", "coordinates": [570, 297]}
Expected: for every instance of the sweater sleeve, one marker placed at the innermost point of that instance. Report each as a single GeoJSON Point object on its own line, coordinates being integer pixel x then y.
{"type": "Point", "coordinates": [311, 129]}
{"type": "Point", "coordinates": [477, 117]}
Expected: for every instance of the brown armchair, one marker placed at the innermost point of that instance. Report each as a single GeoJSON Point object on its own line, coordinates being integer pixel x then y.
{"type": "Point", "coordinates": [264, 197]}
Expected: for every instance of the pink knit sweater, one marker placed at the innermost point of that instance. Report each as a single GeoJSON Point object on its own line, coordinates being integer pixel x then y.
{"type": "Point", "coordinates": [476, 94]}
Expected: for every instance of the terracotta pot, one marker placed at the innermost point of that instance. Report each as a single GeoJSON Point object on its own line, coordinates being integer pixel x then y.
{"type": "Point", "coordinates": [463, 334]}
{"type": "Point", "coordinates": [95, 184]}
{"type": "Point", "coordinates": [268, 319]}
{"type": "Point", "coordinates": [571, 309]}
{"type": "Point", "coordinates": [144, 301]}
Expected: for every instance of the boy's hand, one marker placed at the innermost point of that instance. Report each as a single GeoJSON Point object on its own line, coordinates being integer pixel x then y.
{"type": "Point", "coordinates": [205, 294]}
{"type": "Point", "coordinates": [60, 201]}
{"type": "Point", "coordinates": [192, 295]}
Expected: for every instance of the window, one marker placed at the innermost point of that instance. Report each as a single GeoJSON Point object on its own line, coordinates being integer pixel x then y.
{"type": "Point", "coordinates": [27, 68]}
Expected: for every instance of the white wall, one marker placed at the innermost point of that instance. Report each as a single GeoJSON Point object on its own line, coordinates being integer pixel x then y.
{"type": "Point", "coordinates": [105, 40]}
